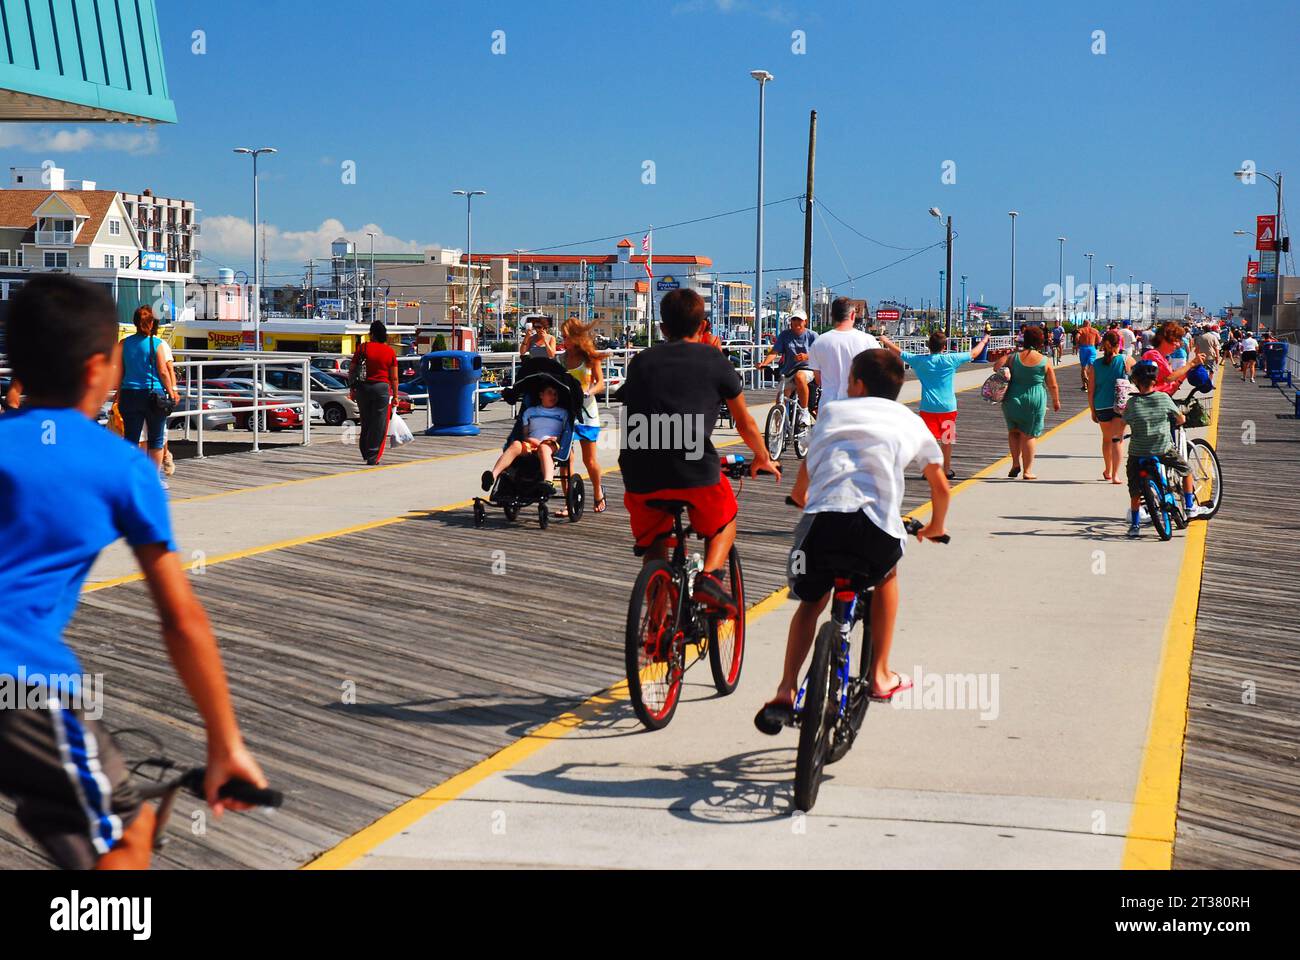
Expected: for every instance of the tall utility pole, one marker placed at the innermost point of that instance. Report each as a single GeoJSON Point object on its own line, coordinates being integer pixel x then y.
{"type": "Point", "coordinates": [1110, 292]}
{"type": "Point", "coordinates": [469, 196]}
{"type": "Point", "coordinates": [762, 76]}
{"type": "Point", "coordinates": [309, 301]}
{"type": "Point", "coordinates": [1013, 214]}
{"type": "Point", "coordinates": [1092, 294]}
{"type": "Point", "coordinates": [371, 235]}
{"type": "Point", "coordinates": [965, 310]}
{"type": "Point", "coordinates": [257, 219]}
{"type": "Point", "coordinates": [808, 217]}
{"type": "Point", "coordinates": [1060, 266]}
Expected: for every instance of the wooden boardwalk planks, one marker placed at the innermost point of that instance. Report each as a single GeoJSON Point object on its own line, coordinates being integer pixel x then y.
{"type": "Point", "coordinates": [449, 664]}
{"type": "Point", "coordinates": [1239, 804]}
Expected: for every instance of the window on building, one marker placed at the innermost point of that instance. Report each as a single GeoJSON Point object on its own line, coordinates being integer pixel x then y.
{"type": "Point", "coordinates": [114, 228]}
{"type": "Point", "coordinates": [108, 261]}
{"type": "Point", "coordinates": [123, 262]}
{"type": "Point", "coordinates": [550, 294]}
{"type": "Point", "coordinates": [54, 259]}
{"type": "Point", "coordinates": [4, 258]}
{"type": "Point", "coordinates": [18, 258]}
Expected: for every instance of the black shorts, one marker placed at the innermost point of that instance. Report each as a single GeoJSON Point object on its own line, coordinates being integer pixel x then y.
{"type": "Point", "coordinates": [1249, 356]}
{"type": "Point", "coordinates": [71, 786]}
{"type": "Point", "coordinates": [1172, 461]}
{"type": "Point", "coordinates": [830, 545]}
{"type": "Point", "coordinates": [1106, 416]}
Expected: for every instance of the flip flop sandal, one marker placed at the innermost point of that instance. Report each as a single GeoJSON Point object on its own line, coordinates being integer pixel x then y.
{"type": "Point", "coordinates": [1015, 472]}
{"type": "Point", "coordinates": [773, 717]}
{"type": "Point", "coordinates": [599, 506]}
{"type": "Point", "coordinates": [904, 683]}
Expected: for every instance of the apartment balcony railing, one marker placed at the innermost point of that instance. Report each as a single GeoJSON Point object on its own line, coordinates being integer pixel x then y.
{"type": "Point", "coordinates": [55, 238]}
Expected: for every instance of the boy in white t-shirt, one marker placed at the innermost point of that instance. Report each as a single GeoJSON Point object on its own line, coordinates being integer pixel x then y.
{"type": "Point", "coordinates": [832, 353]}
{"type": "Point", "coordinates": [851, 488]}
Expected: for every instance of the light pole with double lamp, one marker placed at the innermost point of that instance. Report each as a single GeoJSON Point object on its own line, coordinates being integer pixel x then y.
{"type": "Point", "coordinates": [257, 283]}
{"type": "Point", "coordinates": [1013, 214]}
{"type": "Point", "coordinates": [1092, 296]}
{"type": "Point", "coordinates": [469, 196]}
{"type": "Point", "coordinates": [1060, 268]}
{"type": "Point", "coordinates": [762, 76]}
{"type": "Point", "coordinates": [1277, 239]}
{"type": "Point", "coordinates": [947, 291]}
{"type": "Point", "coordinates": [1110, 292]}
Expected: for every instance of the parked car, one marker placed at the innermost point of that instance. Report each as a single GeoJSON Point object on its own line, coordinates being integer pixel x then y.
{"type": "Point", "coordinates": [240, 392]}
{"type": "Point", "coordinates": [221, 415]}
{"type": "Point", "coordinates": [338, 366]}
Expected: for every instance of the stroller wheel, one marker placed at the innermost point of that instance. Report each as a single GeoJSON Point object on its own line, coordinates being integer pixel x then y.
{"type": "Point", "coordinates": [576, 499]}
{"type": "Point", "coordinates": [479, 514]}
{"type": "Point", "coordinates": [512, 511]}
{"type": "Point", "coordinates": [543, 516]}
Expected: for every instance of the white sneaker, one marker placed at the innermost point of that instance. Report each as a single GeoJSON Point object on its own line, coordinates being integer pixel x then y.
{"type": "Point", "coordinates": [163, 481]}
{"type": "Point", "coordinates": [1197, 511]}
{"type": "Point", "coordinates": [1143, 516]}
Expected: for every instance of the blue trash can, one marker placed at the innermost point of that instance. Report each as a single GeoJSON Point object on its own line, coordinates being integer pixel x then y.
{"type": "Point", "coordinates": [451, 379]}
{"type": "Point", "coordinates": [1273, 354]}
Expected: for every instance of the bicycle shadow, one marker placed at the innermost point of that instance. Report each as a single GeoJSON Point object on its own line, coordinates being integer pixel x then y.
{"type": "Point", "coordinates": [747, 788]}
{"type": "Point", "coordinates": [1092, 528]}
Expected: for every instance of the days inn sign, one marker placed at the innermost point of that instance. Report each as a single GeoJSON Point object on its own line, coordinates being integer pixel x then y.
{"type": "Point", "coordinates": [68, 60]}
{"type": "Point", "coordinates": [668, 283]}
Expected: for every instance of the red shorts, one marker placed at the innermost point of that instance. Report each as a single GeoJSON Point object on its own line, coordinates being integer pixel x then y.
{"type": "Point", "coordinates": [709, 508]}
{"type": "Point", "coordinates": [942, 425]}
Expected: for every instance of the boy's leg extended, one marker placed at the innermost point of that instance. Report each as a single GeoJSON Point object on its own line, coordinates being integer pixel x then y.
{"type": "Point", "coordinates": [884, 612]}
{"type": "Point", "coordinates": [798, 642]}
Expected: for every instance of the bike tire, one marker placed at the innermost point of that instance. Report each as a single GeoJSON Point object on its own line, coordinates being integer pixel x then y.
{"type": "Point", "coordinates": [727, 636]}
{"type": "Point", "coordinates": [774, 431]}
{"type": "Point", "coordinates": [846, 731]}
{"type": "Point", "coordinates": [817, 719]}
{"type": "Point", "coordinates": [653, 660]}
{"type": "Point", "coordinates": [1203, 456]}
{"type": "Point", "coordinates": [1156, 509]}
{"type": "Point", "coordinates": [801, 438]}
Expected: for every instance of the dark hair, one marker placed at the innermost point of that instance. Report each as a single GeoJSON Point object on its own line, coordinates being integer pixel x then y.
{"type": "Point", "coordinates": [55, 324]}
{"type": "Point", "coordinates": [938, 342]}
{"type": "Point", "coordinates": [378, 332]}
{"type": "Point", "coordinates": [1110, 343]}
{"type": "Point", "coordinates": [1033, 338]}
{"type": "Point", "coordinates": [880, 371]}
{"type": "Point", "coordinates": [143, 315]}
{"type": "Point", "coordinates": [681, 312]}
{"type": "Point", "coordinates": [1169, 332]}
{"type": "Point", "coordinates": [841, 307]}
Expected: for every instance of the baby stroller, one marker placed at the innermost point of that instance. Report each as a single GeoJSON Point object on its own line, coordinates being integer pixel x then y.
{"type": "Point", "coordinates": [521, 483]}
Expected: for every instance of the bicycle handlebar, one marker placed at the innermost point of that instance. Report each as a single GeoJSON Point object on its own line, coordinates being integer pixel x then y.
{"type": "Point", "coordinates": [191, 781]}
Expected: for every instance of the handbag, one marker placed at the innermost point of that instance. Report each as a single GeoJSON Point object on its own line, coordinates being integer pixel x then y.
{"type": "Point", "coordinates": [994, 389]}
{"type": "Point", "coordinates": [159, 403]}
{"type": "Point", "coordinates": [357, 371]}
{"type": "Point", "coordinates": [1123, 389]}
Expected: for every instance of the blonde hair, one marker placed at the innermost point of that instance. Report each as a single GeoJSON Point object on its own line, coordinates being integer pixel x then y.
{"type": "Point", "coordinates": [578, 337]}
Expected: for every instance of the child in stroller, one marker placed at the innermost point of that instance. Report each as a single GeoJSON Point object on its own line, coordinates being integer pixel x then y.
{"type": "Point", "coordinates": [537, 451]}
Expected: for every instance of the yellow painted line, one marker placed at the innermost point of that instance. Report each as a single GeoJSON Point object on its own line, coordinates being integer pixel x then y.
{"type": "Point", "coordinates": [329, 476]}
{"type": "Point", "coordinates": [1149, 844]}
{"type": "Point", "coordinates": [352, 848]}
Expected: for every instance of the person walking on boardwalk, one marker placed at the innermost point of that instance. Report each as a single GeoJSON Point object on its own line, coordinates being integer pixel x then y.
{"type": "Point", "coordinates": [1086, 340]}
{"type": "Point", "coordinates": [373, 382]}
{"type": "Point", "coordinates": [538, 342]}
{"type": "Point", "coordinates": [146, 378]}
{"type": "Point", "coordinates": [582, 360]}
{"type": "Point", "coordinates": [1112, 366]}
{"type": "Point", "coordinates": [831, 355]}
{"type": "Point", "coordinates": [1025, 405]}
{"type": "Point", "coordinates": [937, 371]}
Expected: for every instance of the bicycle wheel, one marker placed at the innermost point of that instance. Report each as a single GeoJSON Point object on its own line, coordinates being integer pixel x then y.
{"type": "Point", "coordinates": [727, 637]}
{"type": "Point", "coordinates": [1155, 505]}
{"type": "Point", "coordinates": [846, 731]}
{"type": "Point", "coordinates": [774, 431]}
{"type": "Point", "coordinates": [653, 659]}
{"type": "Point", "coordinates": [1207, 476]}
{"type": "Point", "coordinates": [801, 440]}
{"type": "Point", "coordinates": [817, 719]}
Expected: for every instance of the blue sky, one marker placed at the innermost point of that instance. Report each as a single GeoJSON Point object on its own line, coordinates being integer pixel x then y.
{"type": "Point", "coordinates": [1128, 154]}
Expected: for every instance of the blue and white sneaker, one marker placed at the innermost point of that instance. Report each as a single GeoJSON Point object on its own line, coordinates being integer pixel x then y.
{"type": "Point", "coordinates": [1134, 531]}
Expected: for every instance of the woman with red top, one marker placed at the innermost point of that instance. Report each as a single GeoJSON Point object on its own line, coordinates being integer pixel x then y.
{"type": "Point", "coordinates": [1168, 338]}
{"type": "Point", "coordinates": [375, 390]}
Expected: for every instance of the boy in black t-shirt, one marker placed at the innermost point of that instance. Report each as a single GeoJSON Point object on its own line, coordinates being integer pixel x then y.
{"type": "Point", "coordinates": [671, 399]}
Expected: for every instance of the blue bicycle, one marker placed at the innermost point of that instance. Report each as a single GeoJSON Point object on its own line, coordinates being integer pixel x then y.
{"type": "Point", "coordinates": [832, 703]}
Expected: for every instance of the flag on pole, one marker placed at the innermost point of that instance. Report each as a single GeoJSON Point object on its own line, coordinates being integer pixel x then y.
{"type": "Point", "coordinates": [647, 247]}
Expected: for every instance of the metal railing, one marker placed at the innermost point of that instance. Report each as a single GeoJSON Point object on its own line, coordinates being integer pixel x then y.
{"type": "Point", "coordinates": [191, 386]}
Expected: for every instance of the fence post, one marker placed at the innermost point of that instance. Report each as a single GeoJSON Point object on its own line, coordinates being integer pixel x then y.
{"type": "Point", "coordinates": [306, 401]}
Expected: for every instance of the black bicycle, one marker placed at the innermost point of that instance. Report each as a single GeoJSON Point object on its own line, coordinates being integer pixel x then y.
{"type": "Point", "coordinates": [665, 625]}
{"type": "Point", "coordinates": [832, 703]}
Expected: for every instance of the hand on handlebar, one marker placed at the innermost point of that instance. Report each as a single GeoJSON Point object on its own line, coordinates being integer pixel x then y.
{"type": "Point", "coordinates": [238, 764]}
{"type": "Point", "coordinates": [763, 463]}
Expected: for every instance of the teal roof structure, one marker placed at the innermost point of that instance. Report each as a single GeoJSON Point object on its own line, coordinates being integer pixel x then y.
{"type": "Point", "coordinates": [82, 60]}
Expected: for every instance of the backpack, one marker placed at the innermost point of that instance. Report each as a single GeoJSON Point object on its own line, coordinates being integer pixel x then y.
{"type": "Point", "coordinates": [994, 389]}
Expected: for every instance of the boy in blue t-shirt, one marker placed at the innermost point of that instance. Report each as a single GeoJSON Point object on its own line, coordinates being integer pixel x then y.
{"type": "Point", "coordinates": [69, 488]}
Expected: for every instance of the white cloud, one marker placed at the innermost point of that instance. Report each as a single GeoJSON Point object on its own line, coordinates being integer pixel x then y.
{"type": "Point", "coordinates": [41, 139]}
{"type": "Point", "coordinates": [233, 237]}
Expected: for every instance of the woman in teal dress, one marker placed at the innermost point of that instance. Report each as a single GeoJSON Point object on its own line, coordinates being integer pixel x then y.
{"type": "Point", "coordinates": [1025, 405]}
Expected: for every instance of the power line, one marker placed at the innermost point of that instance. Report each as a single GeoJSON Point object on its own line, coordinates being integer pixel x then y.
{"type": "Point", "coordinates": [822, 203]}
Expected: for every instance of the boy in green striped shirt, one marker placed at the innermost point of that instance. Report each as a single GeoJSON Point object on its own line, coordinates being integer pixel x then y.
{"type": "Point", "coordinates": [1151, 416]}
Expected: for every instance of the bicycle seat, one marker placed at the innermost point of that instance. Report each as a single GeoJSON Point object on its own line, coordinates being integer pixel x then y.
{"type": "Point", "coordinates": [668, 506]}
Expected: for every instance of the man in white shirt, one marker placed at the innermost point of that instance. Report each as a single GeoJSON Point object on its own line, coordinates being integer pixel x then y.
{"type": "Point", "coordinates": [1127, 340]}
{"type": "Point", "coordinates": [851, 489]}
{"type": "Point", "coordinates": [1249, 356]}
{"type": "Point", "coordinates": [831, 355]}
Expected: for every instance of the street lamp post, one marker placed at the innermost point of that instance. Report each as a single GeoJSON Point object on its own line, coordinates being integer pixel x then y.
{"type": "Point", "coordinates": [947, 290]}
{"type": "Point", "coordinates": [1013, 214]}
{"type": "Point", "coordinates": [1092, 295]}
{"type": "Point", "coordinates": [1110, 291]}
{"type": "Point", "coordinates": [257, 283]}
{"type": "Point", "coordinates": [1060, 267]}
{"type": "Point", "coordinates": [469, 196]}
{"type": "Point", "coordinates": [371, 235]}
{"type": "Point", "coordinates": [762, 76]}
{"type": "Point", "coordinates": [1277, 242]}
{"type": "Point", "coordinates": [1129, 299]}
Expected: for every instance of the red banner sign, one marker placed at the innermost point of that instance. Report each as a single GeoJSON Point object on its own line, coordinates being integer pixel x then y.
{"type": "Point", "coordinates": [1252, 271]}
{"type": "Point", "coordinates": [1266, 232]}
{"type": "Point", "coordinates": [887, 314]}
